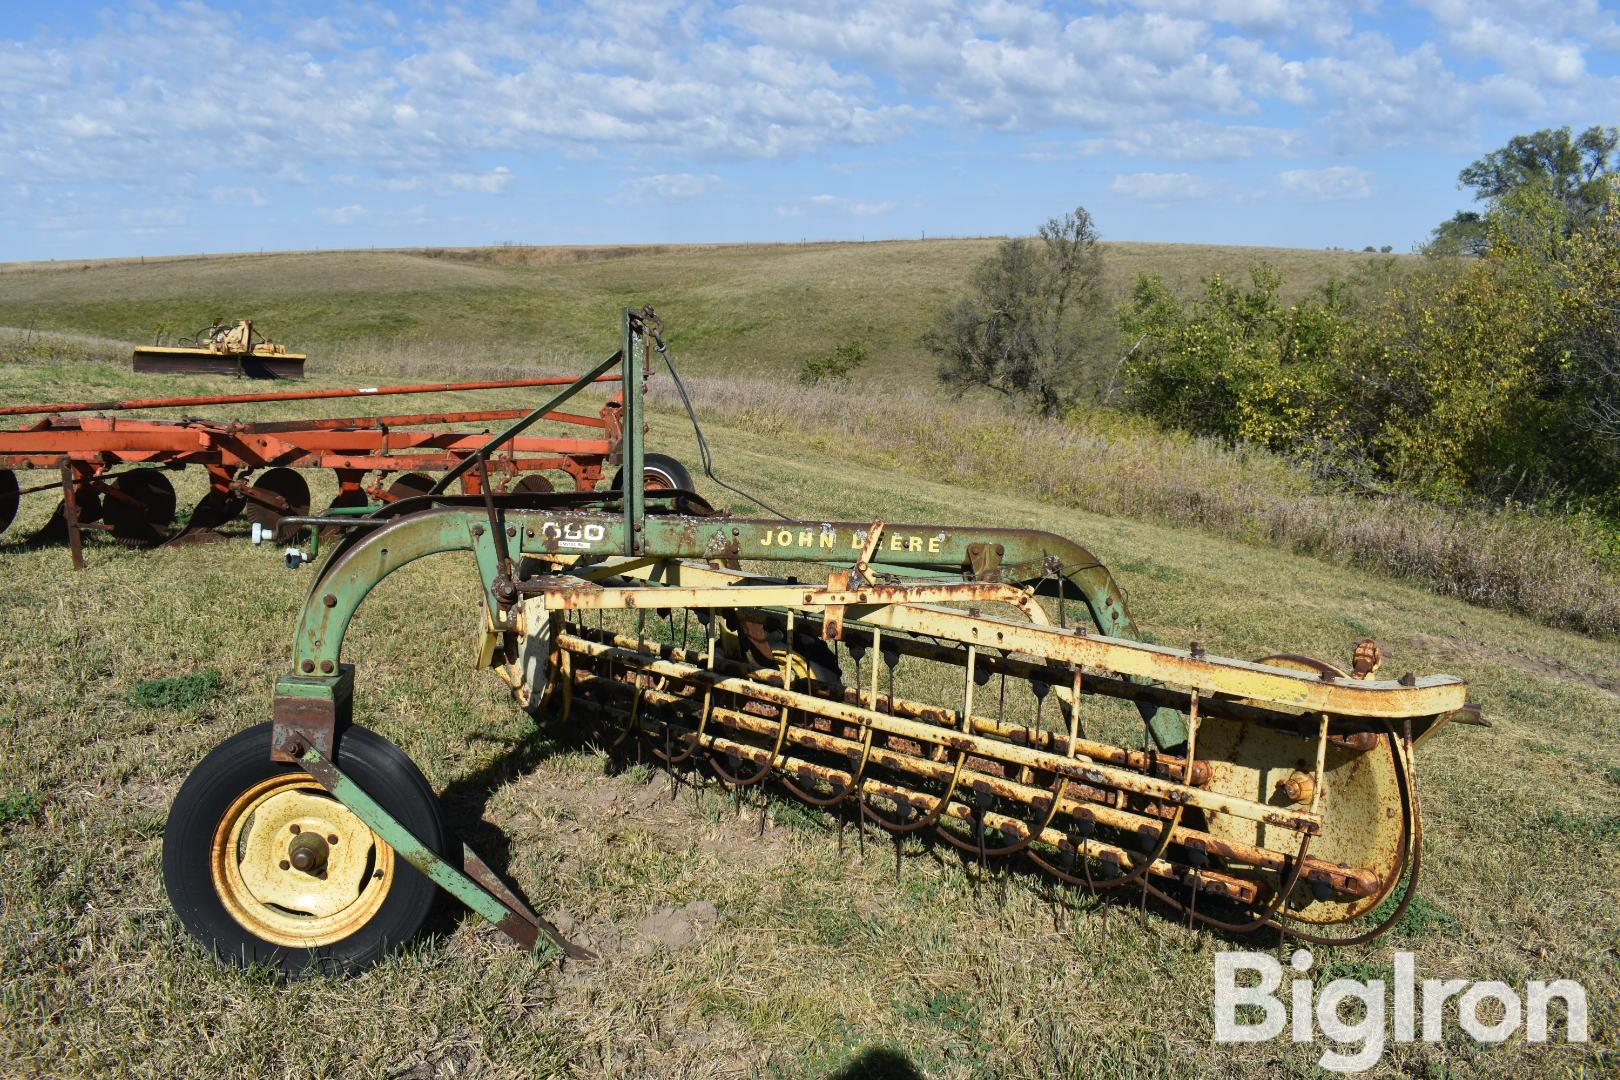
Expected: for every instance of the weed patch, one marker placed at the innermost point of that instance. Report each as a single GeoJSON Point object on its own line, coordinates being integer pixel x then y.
{"type": "Point", "coordinates": [19, 806]}
{"type": "Point", "coordinates": [1592, 827]}
{"type": "Point", "coordinates": [178, 691]}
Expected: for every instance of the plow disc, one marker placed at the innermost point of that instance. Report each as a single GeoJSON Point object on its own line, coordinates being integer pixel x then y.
{"type": "Point", "coordinates": [139, 507]}
{"type": "Point", "coordinates": [275, 494]}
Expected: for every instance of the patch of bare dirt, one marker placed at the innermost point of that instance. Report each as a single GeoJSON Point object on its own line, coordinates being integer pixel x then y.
{"type": "Point", "coordinates": [1529, 663]}
{"type": "Point", "coordinates": [678, 927]}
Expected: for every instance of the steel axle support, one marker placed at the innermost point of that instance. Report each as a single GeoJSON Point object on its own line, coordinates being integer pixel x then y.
{"type": "Point", "coordinates": [510, 915]}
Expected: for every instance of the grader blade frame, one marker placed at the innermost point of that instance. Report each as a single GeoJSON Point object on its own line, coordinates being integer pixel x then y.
{"type": "Point", "coordinates": [986, 687]}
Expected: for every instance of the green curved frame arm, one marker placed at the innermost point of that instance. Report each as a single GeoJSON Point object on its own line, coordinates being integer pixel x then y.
{"type": "Point", "coordinates": [1037, 558]}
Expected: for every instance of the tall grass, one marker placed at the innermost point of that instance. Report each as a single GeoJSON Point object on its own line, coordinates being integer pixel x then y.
{"type": "Point", "coordinates": [1543, 566]}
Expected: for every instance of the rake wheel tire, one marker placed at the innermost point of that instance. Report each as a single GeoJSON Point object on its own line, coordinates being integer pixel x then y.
{"type": "Point", "coordinates": [238, 783]}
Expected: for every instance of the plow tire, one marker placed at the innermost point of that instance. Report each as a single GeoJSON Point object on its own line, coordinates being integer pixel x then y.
{"type": "Point", "coordinates": [662, 472]}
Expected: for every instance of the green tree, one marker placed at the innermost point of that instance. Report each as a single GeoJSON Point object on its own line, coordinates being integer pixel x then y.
{"type": "Point", "coordinates": [1237, 363]}
{"type": "Point", "coordinates": [1461, 234]}
{"type": "Point", "coordinates": [1030, 323]}
{"type": "Point", "coordinates": [1571, 170]}
{"type": "Point", "coordinates": [1589, 301]}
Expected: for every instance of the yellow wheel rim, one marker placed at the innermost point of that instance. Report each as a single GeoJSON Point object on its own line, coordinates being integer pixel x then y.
{"type": "Point", "coordinates": [295, 867]}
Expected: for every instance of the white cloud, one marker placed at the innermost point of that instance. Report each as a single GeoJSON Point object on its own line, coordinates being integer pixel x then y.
{"type": "Point", "coordinates": [1379, 96]}
{"type": "Point", "coordinates": [238, 196]}
{"type": "Point", "coordinates": [1163, 187]}
{"type": "Point", "coordinates": [832, 204]}
{"type": "Point", "coordinates": [493, 182]}
{"type": "Point", "coordinates": [423, 101]}
{"type": "Point", "coordinates": [342, 215]}
{"type": "Point", "coordinates": [1539, 39]}
{"type": "Point", "coordinates": [1324, 19]}
{"type": "Point", "coordinates": [1195, 140]}
{"type": "Point", "coordinates": [1332, 184]}
{"type": "Point", "coordinates": [666, 187]}
{"type": "Point", "coordinates": [154, 217]}
{"type": "Point", "coordinates": [319, 34]}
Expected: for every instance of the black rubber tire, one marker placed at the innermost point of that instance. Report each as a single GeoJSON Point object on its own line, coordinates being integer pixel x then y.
{"type": "Point", "coordinates": [661, 469]}
{"type": "Point", "coordinates": [10, 498]}
{"type": "Point", "coordinates": [236, 765]}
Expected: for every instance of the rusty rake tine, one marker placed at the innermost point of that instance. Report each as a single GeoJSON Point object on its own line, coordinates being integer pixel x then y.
{"type": "Point", "coordinates": [736, 782]}
{"type": "Point", "coordinates": [1192, 905]}
{"type": "Point", "coordinates": [1020, 846]}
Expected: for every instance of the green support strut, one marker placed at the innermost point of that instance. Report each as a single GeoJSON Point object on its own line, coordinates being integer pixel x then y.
{"type": "Point", "coordinates": [523, 926]}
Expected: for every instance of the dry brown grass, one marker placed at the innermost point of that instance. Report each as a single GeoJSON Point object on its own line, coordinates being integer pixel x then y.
{"type": "Point", "coordinates": [815, 959]}
{"type": "Point", "coordinates": [1540, 565]}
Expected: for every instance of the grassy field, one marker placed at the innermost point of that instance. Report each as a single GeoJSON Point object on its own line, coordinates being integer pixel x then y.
{"type": "Point", "coordinates": [724, 952]}
{"type": "Point", "coordinates": [755, 309]}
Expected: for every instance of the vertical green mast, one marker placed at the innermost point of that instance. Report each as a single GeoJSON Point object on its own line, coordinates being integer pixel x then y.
{"type": "Point", "coordinates": [631, 445]}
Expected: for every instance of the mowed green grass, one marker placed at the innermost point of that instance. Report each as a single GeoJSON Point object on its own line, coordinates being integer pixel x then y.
{"type": "Point", "coordinates": [743, 309]}
{"type": "Point", "coordinates": [803, 960]}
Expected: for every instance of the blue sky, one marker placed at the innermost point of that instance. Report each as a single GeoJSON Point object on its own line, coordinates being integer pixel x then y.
{"type": "Point", "coordinates": [160, 127]}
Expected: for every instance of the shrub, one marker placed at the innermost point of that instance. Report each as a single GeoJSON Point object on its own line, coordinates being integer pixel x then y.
{"type": "Point", "coordinates": [833, 367]}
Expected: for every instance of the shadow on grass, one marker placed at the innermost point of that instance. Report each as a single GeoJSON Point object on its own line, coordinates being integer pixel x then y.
{"type": "Point", "coordinates": [466, 799]}
{"type": "Point", "coordinates": [879, 1063]}
{"type": "Point", "coordinates": [464, 802]}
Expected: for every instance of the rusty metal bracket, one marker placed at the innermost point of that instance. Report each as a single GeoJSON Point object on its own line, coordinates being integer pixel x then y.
{"type": "Point", "coordinates": [832, 617]}
{"type": "Point", "coordinates": [863, 561]}
{"type": "Point", "coordinates": [984, 561]}
{"type": "Point", "coordinates": [309, 713]}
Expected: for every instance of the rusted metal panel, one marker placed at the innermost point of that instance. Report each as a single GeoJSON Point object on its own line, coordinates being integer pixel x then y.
{"type": "Point", "coordinates": [308, 711]}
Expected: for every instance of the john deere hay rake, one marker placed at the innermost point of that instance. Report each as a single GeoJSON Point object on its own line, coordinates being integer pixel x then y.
{"type": "Point", "coordinates": [983, 686]}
